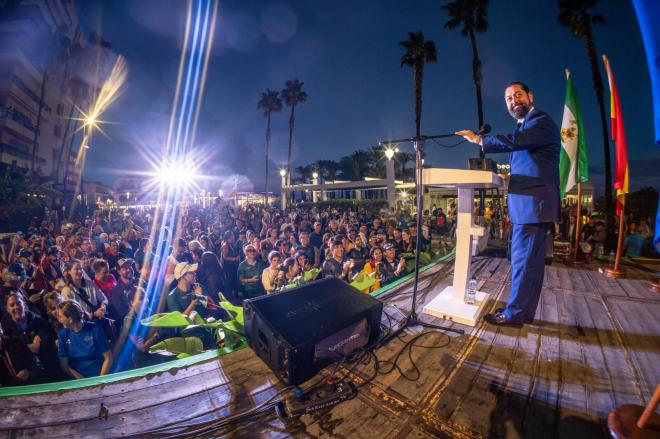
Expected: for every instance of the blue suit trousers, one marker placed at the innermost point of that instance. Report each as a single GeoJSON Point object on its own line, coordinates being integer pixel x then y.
{"type": "Point", "coordinates": [528, 247]}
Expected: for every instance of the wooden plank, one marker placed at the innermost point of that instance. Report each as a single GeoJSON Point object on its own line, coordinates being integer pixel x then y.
{"type": "Point", "coordinates": [506, 419]}
{"type": "Point", "coordinates": [606, 286]}
{"type": "Point", "coordinates": [572, 391]}
{"type": "Point", "coordinates": [640, 324]}
{"type": "Point", "coordinates": [65, 397]}
{"type": "Point", "coordinates": [484, 392]}
{"type": "Point", "coordinates": [540, 415]}
{"type": "Point", "coordinates": [51, 414]}
{"type": "Point", "coordinates": [462, 379]}
{"type": "Point", "coordinates": [580, 282]}
{"type": "Point", "coordinates": [636, 288]}
{"type": "Point", "coordinates": [551, 278]}
{"type": "Point", "coordinates": [598, 381]}
{"type": "Point", "coordinates": [621, 376]}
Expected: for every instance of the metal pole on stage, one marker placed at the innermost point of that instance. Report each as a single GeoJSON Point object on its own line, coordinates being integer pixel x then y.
{"type": "Point", "coordinates": [615, 271]}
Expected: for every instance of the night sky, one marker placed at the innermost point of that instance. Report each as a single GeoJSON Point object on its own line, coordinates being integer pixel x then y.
{"type": "Point", "coordinates": [347, 54]}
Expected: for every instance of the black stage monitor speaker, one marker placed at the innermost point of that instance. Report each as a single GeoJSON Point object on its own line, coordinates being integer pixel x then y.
{"type": "Point", "coordinates": [483, 165]}
{"type": "Point", "coordinates": [300, 331]}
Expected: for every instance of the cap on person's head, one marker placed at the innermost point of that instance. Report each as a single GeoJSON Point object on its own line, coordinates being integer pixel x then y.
{"type": "Point", "coordinates": [124, 261]}
{"type": "Point", "coordinates": [387, 246]}
{"type": "Point", "coordinates": [354, 254]}
{"type": "Point", "coordinates": [183, 268]}
{"type": "Point", "coordinates": [18, 269]}
{"type": "Point", "coordinates": [53, 250]}
{"type": "Point", "coordinates": [25, 253]}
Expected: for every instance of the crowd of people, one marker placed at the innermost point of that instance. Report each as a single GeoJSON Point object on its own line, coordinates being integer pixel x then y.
{"type": "Point", "coordinates": [72, 292]}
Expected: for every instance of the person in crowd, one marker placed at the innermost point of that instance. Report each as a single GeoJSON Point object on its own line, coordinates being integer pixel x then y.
{"type": "Point", "coordinates": [271, 274]}
{"type": "Point", "coordinates": [303, 261]}
{"type": "Point", "coordinates": [408, 245]}
{"type": "Point", "coordinates": [212, 277]}
{"type": "Point", "coordinates": [179, 254]}
{"type": "Point", "coordinates": [390, 269]}
{"type": "Point", "coordinates": [324, 250]}
{"type": "Point", "coordinates": [113, 255]}
{"type": "Point", "coordinates": [51, 267]}
{"type": "Point", "coordinates": [16, 360]}
{"type": "Point", "coordinates": [188, 297]}
{"type": "Point", "coordinates": [335, 264]}
{"type": "Point", "coordinates": [290, 271]}
{"type": "Point", "coordinates": [249, 274]}
{"type": "Point", "coordinates": [230, 260]}
{"type": "Point", "coordinates": [13, 279]}
{"type": "Point", "coordinates": [312, 252]}
{"type": "Point", "coordinates": [119, 305]}
{"type": "Point", "coordinates": [634, 242]}
{"type": "Point", "coordinates": [51, 301]}
{"type": "Point", "coordinates": [316, 237]}
{"type": "Point", "coordinates": [138, 346]}
{"type": "Point", "coordinates": [34, 333]}
{"type": "Point", "coordinates": [372, 266]}
{"type": "Point", "coordinates": [103, 279]}
{"type": "Point", "coordinates": [86, 294]}
{"type": "Point", "coordinates": [83, 348]}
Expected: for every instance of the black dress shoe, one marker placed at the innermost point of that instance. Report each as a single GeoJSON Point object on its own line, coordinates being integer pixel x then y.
{"type": "Point", "coordinates": [527, 319]}
{"type": "Point", "coordinates": [499, 319]}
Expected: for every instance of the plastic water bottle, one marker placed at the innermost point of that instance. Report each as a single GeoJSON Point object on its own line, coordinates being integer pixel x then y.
{"type": "Point", "coordinates": [611, 259]}
{"type": "Point", "coordinates": [471, 292]}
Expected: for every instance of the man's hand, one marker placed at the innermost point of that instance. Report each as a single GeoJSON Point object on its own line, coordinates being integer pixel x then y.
{"type": "Point", "coordinates": [470, 136]}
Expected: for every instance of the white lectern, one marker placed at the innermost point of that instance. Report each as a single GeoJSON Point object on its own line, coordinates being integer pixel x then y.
{"type": "Point", "coordinates": [450, 303]}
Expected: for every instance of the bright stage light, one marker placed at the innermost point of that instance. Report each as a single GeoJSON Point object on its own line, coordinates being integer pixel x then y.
{"type": "Point", "coordinates": [389, 153]}
{"type": "Point", "coordinates": [282, 172]}
{"type": "Point", "coordinates": [176, 175]}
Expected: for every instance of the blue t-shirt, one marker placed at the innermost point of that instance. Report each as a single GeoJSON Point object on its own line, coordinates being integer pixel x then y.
{"type": "Point", "coordinates": [83, 349]}
{"type": "Point", "coordinates": [635, 244]}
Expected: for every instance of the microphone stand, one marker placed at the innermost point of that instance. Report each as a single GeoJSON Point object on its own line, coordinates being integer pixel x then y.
{"type": "Point", "coordinates": [413, 318]}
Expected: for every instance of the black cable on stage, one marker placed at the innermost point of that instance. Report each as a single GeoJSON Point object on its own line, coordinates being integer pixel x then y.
{"type": "Point", "coordinates": [361, 357]}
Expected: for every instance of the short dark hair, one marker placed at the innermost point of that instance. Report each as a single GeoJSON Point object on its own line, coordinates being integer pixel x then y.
{"type": "Point", "coordinates": [521, 84]}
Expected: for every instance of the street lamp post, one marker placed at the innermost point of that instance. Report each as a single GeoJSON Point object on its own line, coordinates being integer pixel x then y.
{"type": "Point", "coordinates": [284, 185]}
{"type": "Point", "coordinates": [389, 175]}
{"type": "Point", "coordinates": [315, 181]}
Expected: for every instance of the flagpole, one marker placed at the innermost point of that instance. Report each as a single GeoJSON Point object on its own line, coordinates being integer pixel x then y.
{"type": "Point", "coordinates": [578, 219]}
{"type": "Point", "coordinates": [615, 271]}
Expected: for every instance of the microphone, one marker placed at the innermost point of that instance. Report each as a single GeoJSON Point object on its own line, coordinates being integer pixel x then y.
{"type": "Point", "coordinates": [485, 129]}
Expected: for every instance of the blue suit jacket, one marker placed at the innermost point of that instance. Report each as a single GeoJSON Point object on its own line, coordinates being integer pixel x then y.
{"type": "Point", "coordinates": [533, 194]}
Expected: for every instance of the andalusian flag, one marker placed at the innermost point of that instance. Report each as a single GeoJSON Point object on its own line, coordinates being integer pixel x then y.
{"type": "Point", "coordinates": [619, 137]}
{"type": "Point", "coordinates": [573, 165]}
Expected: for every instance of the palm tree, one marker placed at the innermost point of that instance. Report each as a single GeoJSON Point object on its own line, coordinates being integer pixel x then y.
{"type": "Point", "coordinates": [270, 102]}
{"type": "Point", "coordinates": [305, 172]}
{"type": "Point", "coordinates": [292, 95]}
{"type": "Point", "coordinates": [575, 15]}
{"type": "Point", "coordinates": [471, 15]}
{"type": "Point", "coordinates": [355, 166]}
{"type": "Point", "coordinates": [328, 169]}
{"type": "Point", "coordinates": [418, 52]}
{"type": "Point", "coordinates": [402, 158]}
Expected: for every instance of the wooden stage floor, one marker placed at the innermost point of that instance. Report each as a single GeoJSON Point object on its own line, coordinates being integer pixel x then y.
{"type": "Point", "coordinates": [594, 345]}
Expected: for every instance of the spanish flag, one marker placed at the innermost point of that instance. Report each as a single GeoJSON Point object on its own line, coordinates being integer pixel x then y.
{"type": "Point", "coordinates": [619, 137]}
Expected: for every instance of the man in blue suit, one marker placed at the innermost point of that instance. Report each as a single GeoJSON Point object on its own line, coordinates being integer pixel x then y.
{"type": "Point", "coordinates": [533, 198]}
